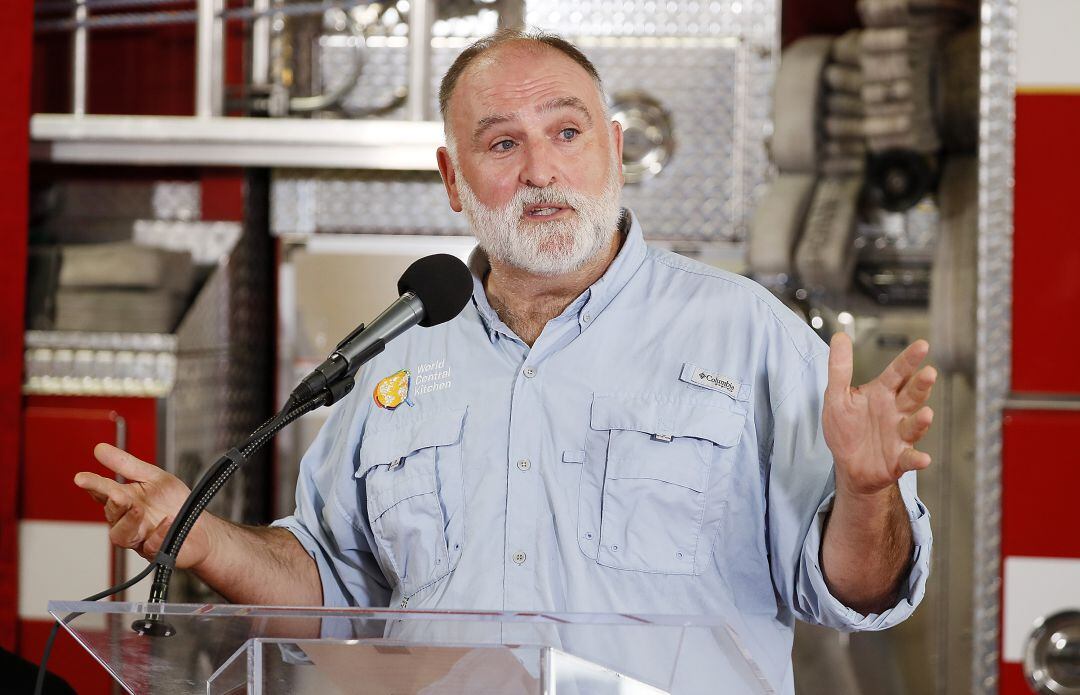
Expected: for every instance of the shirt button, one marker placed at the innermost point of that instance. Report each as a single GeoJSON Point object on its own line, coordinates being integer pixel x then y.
{"type": "Point", "coordinates": [529, 372]}
{"type": "Point", "coordinates": [519, 557]}
{"type": "Point", "coordinates": [524, 465]}
{"type": "Point", "coordinates": [586, 317]}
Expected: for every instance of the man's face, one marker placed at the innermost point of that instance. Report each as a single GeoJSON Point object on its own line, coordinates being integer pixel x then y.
{"type": "Point", "coordinates": [536, 166]}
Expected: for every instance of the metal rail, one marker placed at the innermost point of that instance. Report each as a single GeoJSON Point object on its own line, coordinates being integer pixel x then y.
{"type": "Point", "coordinates": [220, 141]}
{"type": "Point", "coordinates": [208, 138]}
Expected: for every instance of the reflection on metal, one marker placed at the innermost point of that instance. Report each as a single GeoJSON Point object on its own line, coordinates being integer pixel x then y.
{"type": "Point", "coordinates": [648, 135]}
{"type": "Point", "coordinates": [261, 142]}
{"type": "Point", "coordinates": [100, 364]}
{"type": "Point", "coordinates": [1052, 655]}
{"type": "Point", "coordinates": [209, 59]}
{"type": "Point", "coordinates": [993, 321]}
{"type": "Point", "coordinates": [421, 19]}
{"type": "Point", "coordinates": [260, 43]}
{"type": "Point", "coordinates": [78, 61]}
{"type": "Point", "coordinates": [1048, 401]}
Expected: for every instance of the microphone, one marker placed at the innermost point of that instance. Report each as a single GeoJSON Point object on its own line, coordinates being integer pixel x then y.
{"type": "Point", "coordinates": [433, 290]}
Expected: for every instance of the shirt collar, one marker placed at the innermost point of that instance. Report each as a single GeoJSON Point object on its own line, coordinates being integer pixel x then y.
{"type": "Point", "coordinates": [593, 300]}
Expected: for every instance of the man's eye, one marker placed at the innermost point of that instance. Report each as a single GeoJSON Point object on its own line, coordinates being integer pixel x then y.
{"type": "Point", "coordinates": [503, 146]}
{"type": "Point", "coordinates": [569, 133]}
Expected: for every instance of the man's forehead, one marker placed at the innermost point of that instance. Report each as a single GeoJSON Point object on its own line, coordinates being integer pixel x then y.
{"type": "Point", "coordinates": [522, 71]}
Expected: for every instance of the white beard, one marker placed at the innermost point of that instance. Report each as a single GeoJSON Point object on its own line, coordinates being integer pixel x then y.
{"type": "Point", "coordinates": [553, 247]}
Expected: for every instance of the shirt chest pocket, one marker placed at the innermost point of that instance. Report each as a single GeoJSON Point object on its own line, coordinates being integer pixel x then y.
{"type": "Point", "coordinates": [412, 482]}
{"type": "Point", "coordinates": [653, 482]}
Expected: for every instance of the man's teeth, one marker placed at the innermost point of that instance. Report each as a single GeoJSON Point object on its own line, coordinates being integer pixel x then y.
{"type": "Point", "coordinates": [544, 211]}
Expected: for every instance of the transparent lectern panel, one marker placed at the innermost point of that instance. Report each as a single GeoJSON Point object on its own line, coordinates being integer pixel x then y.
{"type": "Point", "coordinates": [225, 649]}
{"type": "Point", "coordinates": [273, 666]}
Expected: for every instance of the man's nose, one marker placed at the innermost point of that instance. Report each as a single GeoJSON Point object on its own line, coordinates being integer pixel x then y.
{"type": "Point", "coordinates": [540, 166]}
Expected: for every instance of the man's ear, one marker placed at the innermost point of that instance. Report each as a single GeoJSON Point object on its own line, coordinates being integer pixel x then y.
{"type": "Point", "coordinates": [449, 178]}
{"type": "Point", "coordinates": [616, 134]}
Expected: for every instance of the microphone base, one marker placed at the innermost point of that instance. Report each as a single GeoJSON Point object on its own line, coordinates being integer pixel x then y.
{"type": "Point", "coordinates": [153, 627]}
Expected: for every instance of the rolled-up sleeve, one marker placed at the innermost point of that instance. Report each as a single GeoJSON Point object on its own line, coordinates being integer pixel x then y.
{"type": "Point", "coordinates": [328, 521]}
{"type": "Point", "coordinates": [822, 607]}
{"type": "Point", "coordinates": [801, 491]}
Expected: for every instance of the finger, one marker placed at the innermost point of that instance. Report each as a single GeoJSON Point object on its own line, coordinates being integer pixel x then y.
{"type": "Point", "coordinates": [98, 497]}
{"type": "Point", "coordinates": [916, 391]}
{"type": "Point", "coordinates": [129, 531]}
{"type": "Point", "coordinates": [840, 364]}
{"type": "Point", "coordinates": [914, 426]}
{"type": "Point", "coordinates": [120, 461]}
{"type": "Point", "coordinates": [115, 510]}
{"type": "Point", "coordinates": [905, 364]}
{"type": "Point", "coordinates": [155, 538]}
{"type": "Point", "coordinates": [913, 460]}
{"type": "Point", "coordinates": [100, 487]}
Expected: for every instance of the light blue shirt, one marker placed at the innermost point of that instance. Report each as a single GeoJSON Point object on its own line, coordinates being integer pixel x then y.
{"type": "Point", "coordinates": [659, 449]}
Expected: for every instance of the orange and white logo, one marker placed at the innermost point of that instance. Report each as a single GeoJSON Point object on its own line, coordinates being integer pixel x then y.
{"type": "Point", "coordinates": [393, 390]}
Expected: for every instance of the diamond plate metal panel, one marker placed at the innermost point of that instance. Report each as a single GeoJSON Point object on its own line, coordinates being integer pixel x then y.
{"type": "Point", "coordinates": [993, 354]}
{"type": "Point", "coordinates": [96, 200]}
{"type": "Point", "coordinates": [713, 75]}
{"type": "Point", "coordinates": [654, 17]}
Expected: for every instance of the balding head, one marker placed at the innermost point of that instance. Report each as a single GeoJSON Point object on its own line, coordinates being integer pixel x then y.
{"type": "Point", "coordinates": [489, 46]}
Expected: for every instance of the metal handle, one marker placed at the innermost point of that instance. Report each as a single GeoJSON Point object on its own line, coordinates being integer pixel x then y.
{"type": "Point", "coordinates": [1052, 656]}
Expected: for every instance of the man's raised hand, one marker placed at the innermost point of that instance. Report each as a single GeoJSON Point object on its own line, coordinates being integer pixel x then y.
{"type": "Point", "coordinates": [872, 429]}
{"type": "Point", "coordinates": [140, 510]}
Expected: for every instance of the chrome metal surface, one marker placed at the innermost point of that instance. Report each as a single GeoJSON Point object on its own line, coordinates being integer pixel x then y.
{"type": "Point", "coordinates": [1049, 401]}
{"type": "Point", "coordinates": [258, 142]}
{"type": "Point", "coordinates": [260, 43]}
{"type": "Point", "coordinates": [209, 58]}
{"type": "Point", "coordinates": [78, 60]}
{"type": "Point", "coordinates": [648, 137]}
{"type": "Point", "coordinates": [97, 364]}
{"type": "Point", "coordinates": [1052, 654]}
{"type": "Point", "coordinates": [421, 20]}
{"type": "Point", "coordinates": [993, 320]}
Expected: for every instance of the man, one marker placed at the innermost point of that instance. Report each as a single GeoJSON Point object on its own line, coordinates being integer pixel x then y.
{"type": "Point", "coordinates": [605, 428]}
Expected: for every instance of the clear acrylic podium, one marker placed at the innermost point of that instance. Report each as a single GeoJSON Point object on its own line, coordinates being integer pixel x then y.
{"type": "Point", "coordinates": [264, 650]}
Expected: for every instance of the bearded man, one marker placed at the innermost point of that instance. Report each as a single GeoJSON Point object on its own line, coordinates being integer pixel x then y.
{"type": "Point", "coordinates": [607, 427]}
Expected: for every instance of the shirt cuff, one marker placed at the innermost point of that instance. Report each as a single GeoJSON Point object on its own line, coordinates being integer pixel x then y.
{"type": "Point", "coordinates": [817, 603]}
{"type": "Point", "coordinates": [333, 595]}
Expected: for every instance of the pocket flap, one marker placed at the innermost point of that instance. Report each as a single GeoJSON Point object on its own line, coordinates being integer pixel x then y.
{"type": "Point", "coordinates": [389, 444]}
{"type": "Point", "coordinates": [674, 466]}
{"type": "Point", "coordinates": [662, 417]}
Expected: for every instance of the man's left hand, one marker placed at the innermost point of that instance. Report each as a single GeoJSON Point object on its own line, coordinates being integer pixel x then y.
{"type": "Point", "coordinates": [872, 429]}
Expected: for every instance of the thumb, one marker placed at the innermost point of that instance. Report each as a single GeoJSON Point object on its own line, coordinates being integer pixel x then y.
{"type": "Point", "coordinates": [840, 364]}
{"type": "Point", "coordinates": [156, 538]}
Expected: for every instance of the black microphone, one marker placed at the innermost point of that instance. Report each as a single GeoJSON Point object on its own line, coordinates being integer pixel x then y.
{"type": "Point", "coordinates": [433, 290]}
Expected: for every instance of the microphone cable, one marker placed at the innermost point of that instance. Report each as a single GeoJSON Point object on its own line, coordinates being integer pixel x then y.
{"type": "Point", "coordinates": [40, 683]}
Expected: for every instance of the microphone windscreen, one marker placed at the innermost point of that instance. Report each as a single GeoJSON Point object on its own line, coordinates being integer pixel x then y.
{"type": "Point", "coordinates": [442, 283]}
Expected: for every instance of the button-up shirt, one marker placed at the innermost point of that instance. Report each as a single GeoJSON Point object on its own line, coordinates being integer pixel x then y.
{"type": "Point", "coordinates": [658, 449]}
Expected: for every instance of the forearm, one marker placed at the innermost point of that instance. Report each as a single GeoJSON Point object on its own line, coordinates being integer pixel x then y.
{"type": "Point", "coordinates": [258, 565]}
{"type": "Point", "coordinates": [867, 549]}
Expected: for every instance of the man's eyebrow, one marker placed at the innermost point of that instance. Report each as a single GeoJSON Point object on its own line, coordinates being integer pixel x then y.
{"type": "Point", "coordinates": [492, 120]}
{"type": "Point", "coordinates": [564, 103]}
{"type": "Point", "coordinates": [558, 103]}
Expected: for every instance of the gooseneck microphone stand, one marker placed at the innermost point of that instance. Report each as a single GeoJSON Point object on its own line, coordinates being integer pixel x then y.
{"type": "Point", "coordinates": [324, 386]}
{"type": "Point", "coordinates": [433, 290]}
{"type": "Point", "coordinates": [329, 383]}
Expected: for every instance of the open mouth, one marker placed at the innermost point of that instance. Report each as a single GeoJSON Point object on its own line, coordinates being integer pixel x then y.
{"type": "Point", "coordinates": [545, 211]}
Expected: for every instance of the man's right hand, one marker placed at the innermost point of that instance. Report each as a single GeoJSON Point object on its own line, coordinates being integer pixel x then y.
{"type": "Point", "coordinates": [140, 510]}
